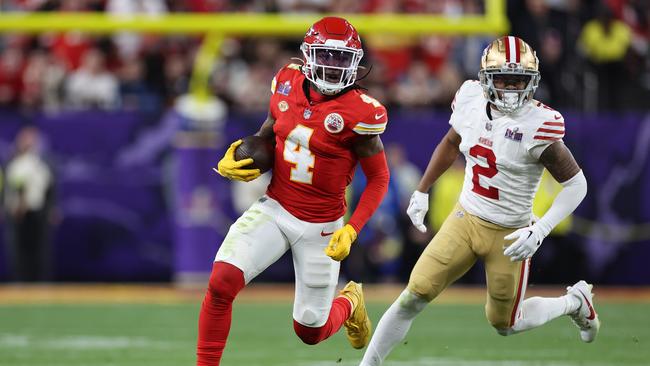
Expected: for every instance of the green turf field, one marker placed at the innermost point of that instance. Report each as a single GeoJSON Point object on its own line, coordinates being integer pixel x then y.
{"type": "Point", "coordinates": [454, 335]}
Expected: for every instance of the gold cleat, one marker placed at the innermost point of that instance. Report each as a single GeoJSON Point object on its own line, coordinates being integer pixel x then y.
{"type": "Point", "coordinates": [358, 326]}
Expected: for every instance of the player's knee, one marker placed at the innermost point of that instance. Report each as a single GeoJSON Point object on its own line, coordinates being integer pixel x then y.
{"type": "Point", "coordinates": [226, 281]}
{"type": "Point", "coordinates": [498, 318]}
{"type": "Point", "coordinates": [423, 287]}
{"type": "Point", "coordinates": [308, 335]}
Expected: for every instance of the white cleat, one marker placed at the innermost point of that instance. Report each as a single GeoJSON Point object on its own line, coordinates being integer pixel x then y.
{"type": "Point", "coordinates": [585, 318]}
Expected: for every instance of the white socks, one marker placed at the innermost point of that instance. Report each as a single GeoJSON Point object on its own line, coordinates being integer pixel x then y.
{"type": "Point", "coordinates": [536, 311]}
{"type": "Point", "coordinates": [392, 327]}
{"type": "Point", "coordinates": [397, 320]}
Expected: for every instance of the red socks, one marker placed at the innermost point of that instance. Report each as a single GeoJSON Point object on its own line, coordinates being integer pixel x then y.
{"type": "Point", "coordinates": [340, 312]}
{"type": "Point", "coordinates": [226, 281]}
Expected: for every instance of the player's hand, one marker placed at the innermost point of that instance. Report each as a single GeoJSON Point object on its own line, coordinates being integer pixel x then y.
{"type": "Point", "coordinates": [342, 239]}
{"type": "Point", "coordinates": [418, 207]}
{"type": "Point", "coordinates": [527, 242]}
{"type": "Point", "coordinates": [231, 169]}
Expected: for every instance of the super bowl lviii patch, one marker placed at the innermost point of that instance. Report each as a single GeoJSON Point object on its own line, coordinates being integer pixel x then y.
{"type": "Point", "coordinates": [284, 88]}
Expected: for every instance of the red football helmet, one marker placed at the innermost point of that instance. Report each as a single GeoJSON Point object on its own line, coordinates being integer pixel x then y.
{"type": "Point", "coordinates": [332, 51]}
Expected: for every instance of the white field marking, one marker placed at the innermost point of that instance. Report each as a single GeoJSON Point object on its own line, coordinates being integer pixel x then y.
{"type": "Point", "coordinates": [13, 340]}
{"type": "Point", "coordinates": [451, 362]}
{"type": "Point", "coordinates": [80, 342]}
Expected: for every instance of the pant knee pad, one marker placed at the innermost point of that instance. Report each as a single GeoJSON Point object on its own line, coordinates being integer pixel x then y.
{"type": "Point", "coordinates": [308, 317]}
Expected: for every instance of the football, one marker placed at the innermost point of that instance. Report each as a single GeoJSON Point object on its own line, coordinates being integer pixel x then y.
{"type": "Point", "coordinates": [257, 148]}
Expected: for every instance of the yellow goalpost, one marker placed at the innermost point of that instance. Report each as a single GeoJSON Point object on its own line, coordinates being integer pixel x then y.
{"type": "Point", "coordinates": [217, 26]}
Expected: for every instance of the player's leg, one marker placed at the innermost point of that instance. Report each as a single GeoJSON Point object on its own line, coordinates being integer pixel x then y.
{"type": "Point", "coordinates": [253, 243]}
{"type": "Point", "coordinates": [506, 308]}
{"type": "Point", "coordinates": [447, 257]}
{"type": "Point", "coordinates": [316, 313]}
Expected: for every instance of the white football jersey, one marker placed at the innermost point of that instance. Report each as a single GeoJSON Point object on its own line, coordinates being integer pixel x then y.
{"type": "Point", "coordinates": [502, 171]}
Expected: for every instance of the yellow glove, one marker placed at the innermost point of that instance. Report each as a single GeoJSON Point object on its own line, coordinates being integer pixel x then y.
{"type": "Point", "coordinates": [342, 239]}
{"type": "Point", "coordinates": [231, 169]}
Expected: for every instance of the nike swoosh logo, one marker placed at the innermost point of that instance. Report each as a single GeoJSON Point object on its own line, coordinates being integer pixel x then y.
{"type": "Point", "coordinates": [322, 233]}
{"type": "Point", "coordinates": [557, 117]}
{"type": "Point", "coordinates": [592, 313]}
{"type": "Point", "coordinates": [378, 116]}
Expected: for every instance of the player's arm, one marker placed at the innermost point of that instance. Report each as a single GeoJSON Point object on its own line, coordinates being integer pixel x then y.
{"type": "Point", "coordinates": [559, 161]}
{"type": "Point", "coordinates": [233, 169]}
{"type": "Point", "coordinates": [442, 158]}
{"type": "Point", "coordinates": [370, 151]}
{"type": "Point", "coordinates": [266, 131]}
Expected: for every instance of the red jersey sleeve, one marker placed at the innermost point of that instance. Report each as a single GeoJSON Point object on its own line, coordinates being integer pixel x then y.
{"type": "Point", "coordinates": [376, 119]}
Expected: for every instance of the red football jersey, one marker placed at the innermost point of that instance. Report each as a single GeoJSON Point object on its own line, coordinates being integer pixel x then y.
{"type": "Point", "coordinates": [314, 160]}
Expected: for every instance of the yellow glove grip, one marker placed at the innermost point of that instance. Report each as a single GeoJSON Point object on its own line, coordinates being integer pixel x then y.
{"type": "Point", "coordinates": [342, 239]}
{"type": "Point", "coordinates": [231, 169]}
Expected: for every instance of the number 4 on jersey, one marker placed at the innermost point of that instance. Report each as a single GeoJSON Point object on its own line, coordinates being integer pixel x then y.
{"type": "Point", "coordinates": [296, 151]}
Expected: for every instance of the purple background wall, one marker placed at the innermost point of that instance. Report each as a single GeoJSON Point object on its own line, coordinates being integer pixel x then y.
{"type": "Point", "coordinates": [137, 207]}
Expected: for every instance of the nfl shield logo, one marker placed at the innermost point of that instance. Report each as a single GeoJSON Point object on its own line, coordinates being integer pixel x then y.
{"type": "Point", "coordinates": [488, 126]}
{"type": "Point", "coordinates": [307, 113]}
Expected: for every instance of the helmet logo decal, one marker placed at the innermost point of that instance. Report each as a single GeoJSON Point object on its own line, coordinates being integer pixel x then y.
{"type": "Point", "coordinates": [334, 123]}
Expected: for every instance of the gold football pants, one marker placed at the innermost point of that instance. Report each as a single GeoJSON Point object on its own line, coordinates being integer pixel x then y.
{"type": "Point", "coordinates": [462, 239]}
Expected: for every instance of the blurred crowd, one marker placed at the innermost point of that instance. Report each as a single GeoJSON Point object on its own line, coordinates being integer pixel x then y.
{"type": "Point", "coordinates": [594, 56]}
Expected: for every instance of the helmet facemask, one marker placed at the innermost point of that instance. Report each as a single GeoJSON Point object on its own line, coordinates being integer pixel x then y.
{"type": "Point", "coordinates": [332, 66]}
{"type": "Point", "coordinates": [509, 100]}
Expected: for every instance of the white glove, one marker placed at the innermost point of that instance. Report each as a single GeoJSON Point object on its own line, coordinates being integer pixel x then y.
{"type": "Point", "coordinates": [528, 241]}
{"type": "Point", "coordinates": [418, 207]}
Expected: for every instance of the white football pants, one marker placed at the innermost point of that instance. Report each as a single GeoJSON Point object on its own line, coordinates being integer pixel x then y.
{"type": "Point", "coordinates": [264, 233]}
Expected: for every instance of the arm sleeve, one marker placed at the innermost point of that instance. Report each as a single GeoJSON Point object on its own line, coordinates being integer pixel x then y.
{"type": "Point", "coordinates": [376, 170]}
{"type": "Point", "coordinates": [573, 192]}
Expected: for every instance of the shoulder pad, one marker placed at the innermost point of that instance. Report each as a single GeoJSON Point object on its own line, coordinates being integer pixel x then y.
{"type": "Point", "coordinates": [468, 91]}
{"type": "Point", "coordinates": [373, 117]}
{"type": "Point", "coordinates": [548, 123]}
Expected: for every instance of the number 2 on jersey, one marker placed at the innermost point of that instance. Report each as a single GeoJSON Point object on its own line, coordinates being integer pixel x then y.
{"type": "Point", "coordinates": [486, 171]}
{"type": "Point", "coordinates": [296, 151]}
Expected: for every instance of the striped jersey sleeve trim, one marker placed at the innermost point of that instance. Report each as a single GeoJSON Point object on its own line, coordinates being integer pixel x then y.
{"type": "Point", "coordinates": [372, 126]}
{"type": "Point", "coordinates": [546, 130]}
{"type": "Point", "coordinates": [552, 138]}
{"type": "Point", "coordinates": [368, 132]}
